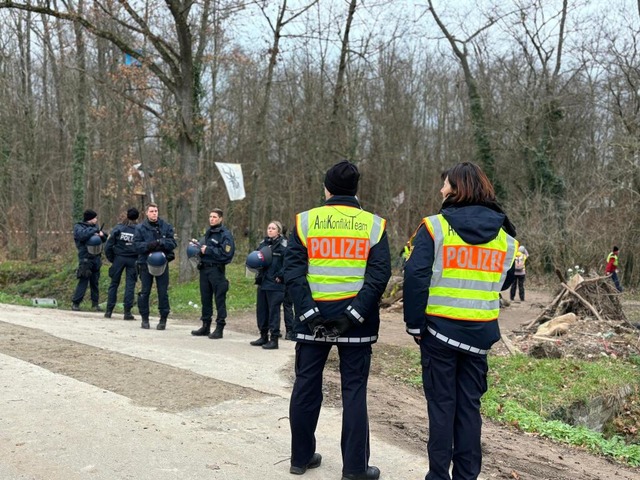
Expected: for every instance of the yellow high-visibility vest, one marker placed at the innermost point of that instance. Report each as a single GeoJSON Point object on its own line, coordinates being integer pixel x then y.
{"type": "Point", "coordinates": [615, 256]}
{"type": "Point", "coordinates": [338, 239]}
{"type": "Point", "coordinates": [466, 279]}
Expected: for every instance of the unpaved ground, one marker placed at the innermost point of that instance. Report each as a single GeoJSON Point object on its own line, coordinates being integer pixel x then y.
{"type": "Point", "coordinates": [397, 412]}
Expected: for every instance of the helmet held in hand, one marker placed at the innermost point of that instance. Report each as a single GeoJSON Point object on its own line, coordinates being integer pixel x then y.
{"type": "Point", "coordinates": [157, 263]}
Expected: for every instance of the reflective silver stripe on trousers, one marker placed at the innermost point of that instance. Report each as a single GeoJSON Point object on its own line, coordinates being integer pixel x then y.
{"type": "Point", "coordinates": [453, 343]}
{"type": "Point", "coordinates": [337, 271]}
{"type": "Point", "coordinates": [336, 287]}
{"type": "Point", "coordinates": [355, 314]}
{"type": "Point", "coordinates": [303, 336]}
{"type": "Point", "coordinates": [308, 313]}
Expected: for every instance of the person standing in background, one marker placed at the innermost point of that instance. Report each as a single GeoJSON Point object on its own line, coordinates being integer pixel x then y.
{"type": "Point", "coordinates": [519, 273]}
{"type": "Point", "coordinates": [121, 252]}
{"type": "Point", "coordinates": [152, 236]}
{"type": "Point", "coordinates": [611, 269]}
{"type": "Point", "coordinates": [89, 239]}
{"type": "Point", "coordinates": [217, 249]}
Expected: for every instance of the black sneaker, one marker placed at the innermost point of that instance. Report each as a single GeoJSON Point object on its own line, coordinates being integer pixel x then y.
{"type": "Point", "coordinates": [316, 460]}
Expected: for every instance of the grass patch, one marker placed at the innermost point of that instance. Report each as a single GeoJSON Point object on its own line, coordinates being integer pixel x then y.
{"type": "Point", "coordinates": [526, 393]}
{"type": "Point", "coordinates": [529, 393]}
{"type": "Point", "coordinates": [20, 282]}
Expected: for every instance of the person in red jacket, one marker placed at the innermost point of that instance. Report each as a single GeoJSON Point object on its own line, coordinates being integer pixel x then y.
{"type": "Point", "coordinates": [611, 270]}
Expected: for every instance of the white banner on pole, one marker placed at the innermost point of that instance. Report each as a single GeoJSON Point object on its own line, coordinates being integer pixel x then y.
{"type": "Point", "coordinates": [232, 176]}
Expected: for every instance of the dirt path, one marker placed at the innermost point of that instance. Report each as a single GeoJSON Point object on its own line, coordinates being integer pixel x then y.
{"type": "Point", "coordinates": [397, 412]}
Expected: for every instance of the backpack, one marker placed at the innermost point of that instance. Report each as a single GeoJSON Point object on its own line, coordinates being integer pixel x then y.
{"type": "Point", "coordinates": [520, 262]}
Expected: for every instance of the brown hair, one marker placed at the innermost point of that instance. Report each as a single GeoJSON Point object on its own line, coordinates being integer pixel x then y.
{"type": "Point", "coordinates": [149, 205]}
{"type": "Point", "coordinates": [469, 184]}
{"type": "Point", "coordinates": [217, 211]}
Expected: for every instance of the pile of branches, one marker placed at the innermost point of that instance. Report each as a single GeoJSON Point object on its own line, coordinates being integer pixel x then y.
{"type": "Point", "coordinates": [592, 297]}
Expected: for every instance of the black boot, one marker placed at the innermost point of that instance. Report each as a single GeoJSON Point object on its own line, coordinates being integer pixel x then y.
{"type": "Point", "coordinates": [145, 322]}
{"type": "Point", "coordinates": [96, 307]}
{"type": "Point", "coordinates": [271, 344]}
{"type": "Point", "coordinates": [217, 333]}
{"type": "Point", "coordinates": [163, 323]}
{"type": "Point", "coordinates": [204, 330]}
{"type": "Point", "coordinates": [264, 338]}
{"type": "Point", "coordinates": [108, 313]}
{"type": "Point", "coordinates": [128, 315]}
{"type": "Point", "coordinates": [75, 307]}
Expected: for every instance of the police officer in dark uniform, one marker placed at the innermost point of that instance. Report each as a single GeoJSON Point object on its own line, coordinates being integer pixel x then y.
{"type": "Point", "coordinates": [460, 261]}
{"type": "Point", "coordinates": [217, 249]}
{"type": "Point", "coordinates": [153, 235]}
{"type": "Point", "coordinates": [337, 266]}
{"type": "Point", "coordinates": [121, 252]}
{"type": "Point", "coordinates": [89, 261]}
{"type": "Point", "coordinates": [270, 294]}
{"type": "Point", "coordinates": [287, 304]}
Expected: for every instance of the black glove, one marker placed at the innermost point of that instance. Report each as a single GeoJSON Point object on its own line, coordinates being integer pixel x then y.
{"type": "Point", "coordinates": [316, 325]}
{"type": "Point", "coordinates": [338, 326]}
{"type": "Point", "coordinates": [152, 246]}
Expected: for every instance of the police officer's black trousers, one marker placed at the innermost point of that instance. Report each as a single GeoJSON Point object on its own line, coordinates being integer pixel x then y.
{"type": "Point", "coordinates": [91, 281]}
{"type": "Point", "coordinates": [214, 285]}
{"type": "Point", "coordinates": [453, 383]}
{"type": "Point", "coordinates": [268, 311]}
{"type": "Point", "coordinates": [518, 283]}
{"type": "Point", "coordinates": [122, 264]}
{"type": "Point", "coordinates": [162, 285]}
{"type": "Point", "coordinates": [306, 400]}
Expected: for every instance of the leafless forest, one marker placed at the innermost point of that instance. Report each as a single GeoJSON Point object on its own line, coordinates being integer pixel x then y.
{"type": "Point", "coordinates": [544, 95]}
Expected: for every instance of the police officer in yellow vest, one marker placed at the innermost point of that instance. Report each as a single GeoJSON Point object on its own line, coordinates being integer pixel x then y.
{"type": "Point", "coordinates": [461, 259]}
{"type": "Point", "coordinates": [337, 266]}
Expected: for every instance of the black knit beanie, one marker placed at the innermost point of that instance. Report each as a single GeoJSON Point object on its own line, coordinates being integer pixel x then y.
{"type": "Point", "coordinates": [88, 215]}
{"type": "Point", "coordinates": [133, 214]}
{"type": "Point", "coordinates": [342, 179]}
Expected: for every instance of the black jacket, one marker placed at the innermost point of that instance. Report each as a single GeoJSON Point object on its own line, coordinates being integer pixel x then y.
{"type": "Point", "coordinates": [120, 241]}
{"type": "Point", "coordinates": [272, 277]}
{"type": "Point", "coordinates": [476, 224]}
{"type": "Point", "coordinates": [220, 246]}
{"type": "Point", "coordinates": [154, 237]}
{"type": "Point", "coordinates": [366, 302]}
{"type": "Point", "coordinates": [83, 231]}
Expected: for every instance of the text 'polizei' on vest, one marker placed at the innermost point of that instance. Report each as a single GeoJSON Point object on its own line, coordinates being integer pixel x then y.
{"type": "Point", "coordinates": [338, 247]}
{"type": "Point", "coordinates": [468, 257]}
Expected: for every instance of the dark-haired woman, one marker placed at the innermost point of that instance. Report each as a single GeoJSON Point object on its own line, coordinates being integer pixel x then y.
{"type": "Point", "coordinates": [270, 281]}
{"type": "Point", "coordinates": [460, 261]}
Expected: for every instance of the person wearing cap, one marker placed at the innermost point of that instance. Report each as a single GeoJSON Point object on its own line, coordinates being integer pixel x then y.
{"type": "Point", "coordinates": [461, 259]}
{"type": "Point", "coordinates": [150, 236]}
{"type": "Point", "coordinates": [270, 291]}
{"type": "Point", "coordinates": [337, 265]}
{"type": "Point", "coordinates": [217, 249]}
{"type": "Point", "coordinates": [121, 252]}
{"type": "Point", "coordinates": [611, 270]}
{"type": "Point", "coordinates": [89, 261]}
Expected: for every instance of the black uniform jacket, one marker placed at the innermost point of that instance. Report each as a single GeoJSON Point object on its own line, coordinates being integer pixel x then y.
{"type": "Point", "coordinates": [220, 246]}
{"type": "Point", "coordinates": [83, 231]}
{"type": "Point", "coordinates": [476, 224]}
{"type": "Point", "coordinates": [272, 277]}
{"type": "Point", "coordinates": [120, 242]}
{"type": "Point", "coordinates": [366, 302]}
{"type": "Point", "coordinates": [154, 237]}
